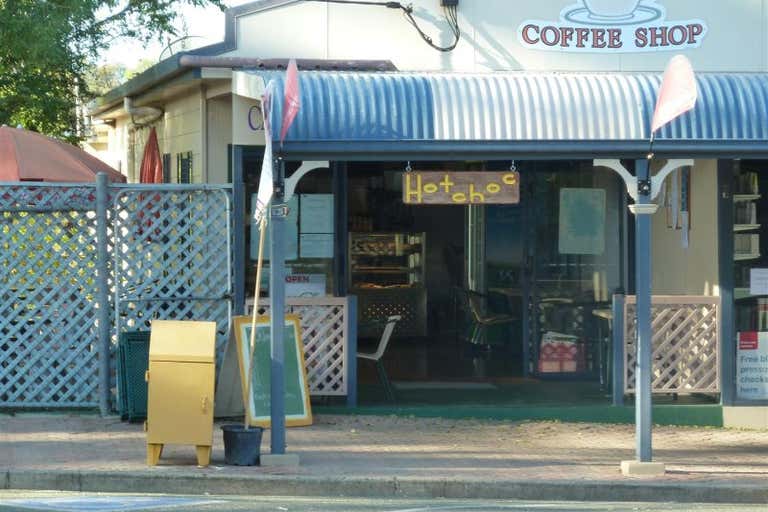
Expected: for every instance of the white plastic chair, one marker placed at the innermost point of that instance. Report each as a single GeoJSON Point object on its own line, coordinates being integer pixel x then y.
{"type": "Point", "coordinates": [389, 327]}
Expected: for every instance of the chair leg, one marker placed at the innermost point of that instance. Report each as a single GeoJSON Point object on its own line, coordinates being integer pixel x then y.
{"type": "Point", "coordinates": [385, 381]}
{"type": "Point", "coordinates": [477, 334]}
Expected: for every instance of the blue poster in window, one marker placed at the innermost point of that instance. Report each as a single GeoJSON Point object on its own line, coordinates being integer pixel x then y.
{"type": "Point", "coordinates": [582, 221]}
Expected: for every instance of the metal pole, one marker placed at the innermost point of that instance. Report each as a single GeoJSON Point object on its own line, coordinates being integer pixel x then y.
{"type": "Point", "coordinates": [277, 315]}
{"type": "Point", "coordinates": [102, 267]}
{"type": "Point", "coordinates": [351, 359]}
{"type": "Point", "coordinates": [617, 340]}
{"type": "Point", "coordinates": [238, 225]}
{"type": "Point", "coordinates": [643, 366]}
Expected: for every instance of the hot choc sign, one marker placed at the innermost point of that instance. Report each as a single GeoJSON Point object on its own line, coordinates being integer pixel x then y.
{"type": "Point", "coordinates": [612, 26]}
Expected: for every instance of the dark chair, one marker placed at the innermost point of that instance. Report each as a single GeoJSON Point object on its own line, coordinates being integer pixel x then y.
{"type": "Point", "coordinates": [482, 318]}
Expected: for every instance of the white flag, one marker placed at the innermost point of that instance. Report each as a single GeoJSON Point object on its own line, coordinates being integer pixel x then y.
{"type": "Point", "coordinates": [677, 94]}
{"type": "Point", "coordinates": [266, 186]}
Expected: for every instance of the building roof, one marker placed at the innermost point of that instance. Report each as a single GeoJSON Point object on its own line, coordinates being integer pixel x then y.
{"type": "Point", "coordinates": [175, 65]}
{"type": "Point", "coordinates": [538, 114]}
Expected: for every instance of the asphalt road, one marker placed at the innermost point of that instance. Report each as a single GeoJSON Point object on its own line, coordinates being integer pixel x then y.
{"type": "Point", "coordinates": [20, 501]}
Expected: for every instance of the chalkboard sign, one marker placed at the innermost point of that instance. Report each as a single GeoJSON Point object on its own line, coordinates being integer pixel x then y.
{"type": "Point", "coordinates": [297, 408]}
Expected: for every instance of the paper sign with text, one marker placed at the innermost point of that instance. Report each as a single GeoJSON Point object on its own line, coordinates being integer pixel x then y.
{"type": "Point", "coordinates": [752, 366]}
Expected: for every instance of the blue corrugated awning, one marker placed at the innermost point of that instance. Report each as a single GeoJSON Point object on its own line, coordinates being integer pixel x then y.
{"type": "Point", "coordinates": [522, 114]}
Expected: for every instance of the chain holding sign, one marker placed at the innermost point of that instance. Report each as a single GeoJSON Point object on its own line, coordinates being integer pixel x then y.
{"type": "Point", "coordinates": [460, 188]}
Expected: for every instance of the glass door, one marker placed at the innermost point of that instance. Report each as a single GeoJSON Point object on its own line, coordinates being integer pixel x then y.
{"type": "Point", "coordinates": [573, 265]}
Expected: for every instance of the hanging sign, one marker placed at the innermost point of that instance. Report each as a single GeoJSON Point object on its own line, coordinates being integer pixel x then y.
{"type": "Point", "coordinates": [435, 187]}
{"type": "Point", "coordinates": [612, 26]}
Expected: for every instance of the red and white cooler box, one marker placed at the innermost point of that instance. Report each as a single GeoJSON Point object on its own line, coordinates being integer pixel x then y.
{"type": "Point", "coordinates": [560, 353]}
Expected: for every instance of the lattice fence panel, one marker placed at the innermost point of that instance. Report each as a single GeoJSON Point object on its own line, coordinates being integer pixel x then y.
{"type": "Point", "coordinates": [48, 326]}
{"type": "Point", "coordinates": [173, 257]}
{"type": "Point", "coordinates": [323, 332]}
{"type": "Point", "coordinates": [686, 344]}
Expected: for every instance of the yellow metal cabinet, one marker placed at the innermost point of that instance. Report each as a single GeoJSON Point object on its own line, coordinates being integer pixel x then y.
{"type": "Point", "coordinates": [181, 379]}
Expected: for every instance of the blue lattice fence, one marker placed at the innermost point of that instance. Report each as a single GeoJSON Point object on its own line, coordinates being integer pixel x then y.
{"type": "Point", "coordinates": [172, 252]}
{"type": "Point", "coordinates": [167, 256]}
{"type": "Point", "coordinates": [48, 309]}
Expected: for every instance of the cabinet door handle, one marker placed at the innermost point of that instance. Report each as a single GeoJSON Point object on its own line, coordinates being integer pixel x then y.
{"type": "Point", "coordinates": [204, 405]}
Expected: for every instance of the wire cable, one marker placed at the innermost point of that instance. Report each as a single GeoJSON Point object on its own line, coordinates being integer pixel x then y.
{"type": "Point", "coordinates": [450, 13]}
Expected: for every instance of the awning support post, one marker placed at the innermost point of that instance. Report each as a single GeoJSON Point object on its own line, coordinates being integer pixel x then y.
{"type": "Point", "coordinates": [293, 179]}
{"type": "Point", "coordinates": [643, 188]}
{"type": "Point", "coordinates": [277, 314]}
{"type": "Point", "coordinates": [643, 209]}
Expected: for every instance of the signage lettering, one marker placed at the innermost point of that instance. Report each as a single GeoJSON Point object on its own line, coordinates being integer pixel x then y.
{"type": "Point", "coordinates": [752, 365]}
{"type": "Point", "coordinates": [461, 187]}
{"type": "Point", "coordinates": [612, 26]}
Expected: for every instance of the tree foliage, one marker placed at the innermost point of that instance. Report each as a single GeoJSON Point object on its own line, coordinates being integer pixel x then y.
{"type": "Point", "coordinates": [47, 47]}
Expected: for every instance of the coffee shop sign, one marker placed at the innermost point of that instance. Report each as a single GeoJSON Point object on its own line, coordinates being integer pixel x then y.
{"type": "Point", "coordinates": [612, 26]}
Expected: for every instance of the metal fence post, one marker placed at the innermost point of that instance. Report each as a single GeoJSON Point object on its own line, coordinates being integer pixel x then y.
{"type": "Point", "coordinates": [351, 362]}
{"type": "Point", "coordinates": [617, 337]}
{"type": "Point", "coordinates": [238, 227]}
{"type": "Point", "coordinates": [102, 284]}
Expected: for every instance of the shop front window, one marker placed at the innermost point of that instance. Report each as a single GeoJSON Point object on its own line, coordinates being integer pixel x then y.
{"type": "Point", "coordinates": [750, 261]}
{"type": "Point", "coordinates": [556, 258]}
{"type": "Point", "coordinates": [309, 237]}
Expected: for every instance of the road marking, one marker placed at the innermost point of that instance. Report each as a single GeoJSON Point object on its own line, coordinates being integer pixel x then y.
{"type": "Point", "coordinates": [104, 503]}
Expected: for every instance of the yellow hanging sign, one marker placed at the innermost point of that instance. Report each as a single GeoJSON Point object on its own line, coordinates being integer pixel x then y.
{"type": "Point", "coordinates": [459, 188]}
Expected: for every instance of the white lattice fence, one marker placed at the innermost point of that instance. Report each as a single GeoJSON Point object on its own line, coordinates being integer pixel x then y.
{"type": "Point", "coordinates": [324, 324]}
{"type": "Point", "coordinates": [686, 344]}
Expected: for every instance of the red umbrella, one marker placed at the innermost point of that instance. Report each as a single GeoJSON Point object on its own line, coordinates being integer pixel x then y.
{"type": "Point", "coordinates": [151, 162]}
{"type": "Point", "coordinates": [30, 156]}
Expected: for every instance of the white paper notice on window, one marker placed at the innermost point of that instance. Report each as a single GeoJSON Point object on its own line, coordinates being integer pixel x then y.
{"type": "Point", "coordinates": [316, 245]}
{"type": "Point", "coordinates": [758, 281]}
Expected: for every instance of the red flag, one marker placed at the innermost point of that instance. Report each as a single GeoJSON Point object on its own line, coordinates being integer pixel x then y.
{"type": "Point", "coordinates": [292, 101]}
{"type": "Point", "coordinates": [677, 94]}
{"type": "Point", "coordinates": [151, 170]}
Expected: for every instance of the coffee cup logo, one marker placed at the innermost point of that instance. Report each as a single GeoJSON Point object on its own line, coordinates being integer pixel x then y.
{"type": "Point", "coordinates": [611, 9]}
{"type": "Point", "coordinates": [612, 26]}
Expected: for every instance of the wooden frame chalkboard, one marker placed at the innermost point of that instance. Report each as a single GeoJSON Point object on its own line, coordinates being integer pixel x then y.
{"type": "Point", "coordinates": [297, 407]}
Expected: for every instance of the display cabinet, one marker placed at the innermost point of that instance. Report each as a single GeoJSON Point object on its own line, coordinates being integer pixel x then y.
{"type": "Point", "coordinates": [386, 273]}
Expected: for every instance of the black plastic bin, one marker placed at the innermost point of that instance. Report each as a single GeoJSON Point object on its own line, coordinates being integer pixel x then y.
{"type": "Point", "coordinates": [133, 363]}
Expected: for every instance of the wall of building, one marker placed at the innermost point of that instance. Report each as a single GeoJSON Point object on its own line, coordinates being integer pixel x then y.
{"type": "Point", "coordinates": [219, 138]}
{"type": "Point", "coordinates": [693, 270]}
{"type": "Point", "coordinates": [733, 37]}
{"type": "Point", "coordinates": [182, 133]}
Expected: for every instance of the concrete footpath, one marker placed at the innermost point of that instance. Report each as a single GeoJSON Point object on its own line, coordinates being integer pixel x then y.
{"type": "Point", "coordinates": [371, 456]}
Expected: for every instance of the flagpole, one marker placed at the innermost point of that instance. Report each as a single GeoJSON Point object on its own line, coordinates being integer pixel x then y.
{"type": "Point", "coordinates": [650, 147]}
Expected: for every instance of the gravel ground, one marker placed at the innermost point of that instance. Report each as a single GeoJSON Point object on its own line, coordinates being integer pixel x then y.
{"type": "Point", "coordinates": [385, 446]}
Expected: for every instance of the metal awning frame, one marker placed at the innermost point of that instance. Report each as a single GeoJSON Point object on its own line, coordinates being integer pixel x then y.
{"type": "Point", "coordinates": [435, 150]}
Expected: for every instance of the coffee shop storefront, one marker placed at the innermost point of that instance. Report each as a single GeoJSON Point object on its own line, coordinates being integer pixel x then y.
{"type": "Point", "coordinates": [548, 265]}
